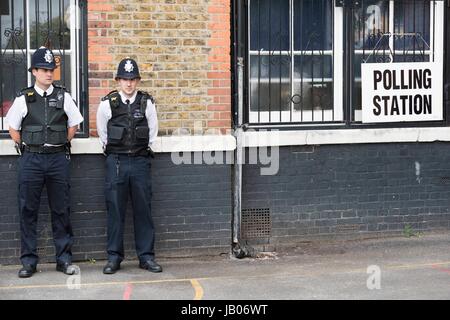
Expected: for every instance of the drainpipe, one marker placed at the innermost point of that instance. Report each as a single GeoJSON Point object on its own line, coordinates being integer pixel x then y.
{"type": "Point", "coordinates": [237, 251]}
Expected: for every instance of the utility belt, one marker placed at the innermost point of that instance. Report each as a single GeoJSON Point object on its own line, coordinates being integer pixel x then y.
{"type": "Point", "coordinates": [142, 153]}
{"type": "Point", "coordinates": [44, 149]}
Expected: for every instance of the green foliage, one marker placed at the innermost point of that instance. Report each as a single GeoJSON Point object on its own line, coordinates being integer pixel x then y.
{"type": "Point", "coordinates": [409, 232]}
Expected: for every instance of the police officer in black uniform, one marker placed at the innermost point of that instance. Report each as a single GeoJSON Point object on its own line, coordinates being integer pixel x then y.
{"type": "Point", "coordinates": [127, 126]}
{"type": "Point", "coordinates": [42, 121]}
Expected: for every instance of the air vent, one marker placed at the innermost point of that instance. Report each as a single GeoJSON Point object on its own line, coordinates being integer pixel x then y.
{"type": "Point", "coordinates": [256, 223]}
{"type": "Point", "coordinates": [41, 251]}
{"type": "Point", "coordinates": [442, 181]}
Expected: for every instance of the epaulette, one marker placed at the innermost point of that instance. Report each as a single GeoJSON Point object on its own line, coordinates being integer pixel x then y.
{"type": "Point", "coordinates": [22, 91]}
{"type": "Point", "coordinates": [60, 87]}
{"type": "Point", "coordinates": [113, 97]}
{"type": "Point", "coordinates": [108, 95]}
{"type": "Point", "coordinates": [144, 99]}
{"type": "Point", "coordinates": [28, 93]}
{"type": "Point", "coordinates": [149, 96]}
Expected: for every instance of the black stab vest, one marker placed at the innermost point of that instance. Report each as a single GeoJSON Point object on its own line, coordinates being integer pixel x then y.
{"type": "Point", "coordinates": [128, 131]}
{"type": "Point", "coordinates": [46, 120]}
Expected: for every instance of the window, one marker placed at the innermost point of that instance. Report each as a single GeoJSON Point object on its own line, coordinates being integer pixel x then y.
{"type": "Point", "coordinates": [296, 63]}
{"type": "Point", "coordinates": [291, 62]}
{"type": "Point", "coordinates": [395, 31]}
{"type": "Point", "coordinates": [26, 25]}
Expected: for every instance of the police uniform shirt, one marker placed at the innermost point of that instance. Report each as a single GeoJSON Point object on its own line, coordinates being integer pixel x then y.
{"type": "Point", "coordinates": [19, 110]}
{"type": "Point", "coordinates": [104, 114]}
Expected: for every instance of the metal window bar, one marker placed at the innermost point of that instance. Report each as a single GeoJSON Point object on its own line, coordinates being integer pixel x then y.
{"type": "Point", "coordinates": [288, 80]}
{"type": "Point", "coordinates": [270, 60]}
{"type": "Point", "coordinates": [417, 39]}
{"type": "Point", "coordinates": [406, 33]}
{"type": "Point", "coordinates": [33, 24]}
{"type": "Point", "coordinates": [423, 18]}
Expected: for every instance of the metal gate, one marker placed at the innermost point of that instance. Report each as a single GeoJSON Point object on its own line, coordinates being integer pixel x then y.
{"type": "Point", "coordinates": [394, 31]}
{"type": "Point", "coordinates": [26, 25]}
{"type": "Point", "coordinates": [304, 56]}
{"type": "Point", "coordinates": [290, 61]}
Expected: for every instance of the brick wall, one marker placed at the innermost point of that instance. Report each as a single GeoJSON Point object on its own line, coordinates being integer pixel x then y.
{"type": "Point", "coordinates": [350, 191]}
{"type": "Point", "coordinates": [183, 51]}
{"type": "Point", "coordinates": [353, 190]}
{"type": "Point", "coordinates": [191, 209]}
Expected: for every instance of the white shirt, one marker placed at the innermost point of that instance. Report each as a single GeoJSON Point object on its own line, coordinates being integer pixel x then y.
{"type": "Point", "coordinates": [104, 114]}
{"type": "Point", "coordinates": [19, 110]}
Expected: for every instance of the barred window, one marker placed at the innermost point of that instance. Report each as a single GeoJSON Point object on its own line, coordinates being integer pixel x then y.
{"type": "Point", "coordinates": [299, 54]}
{"type": "Point", "coordinates": [26, 25]}
{"type": "Point", "coordinates": [291, 61]}
{"type": "Point", "coordinates": [395, 31]}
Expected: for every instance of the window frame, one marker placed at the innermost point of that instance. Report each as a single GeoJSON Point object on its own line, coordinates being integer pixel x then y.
{"type": "Point", "coordinates": [435, 51]}
{"type": "Point", "coordinates": [343, 12]}
{"type": "Point", "coordinates": [335, 114]}
{"type": "Point", "coordinates": [78, 60]}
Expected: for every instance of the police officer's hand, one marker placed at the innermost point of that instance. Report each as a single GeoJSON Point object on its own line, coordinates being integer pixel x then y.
{"type": "Point", "coordinates": [18, 148]}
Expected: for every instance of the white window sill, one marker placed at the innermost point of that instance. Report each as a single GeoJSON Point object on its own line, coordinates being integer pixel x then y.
{"type": "Point", "coordinates": [268, 138]}
{"type": "Point", "coordinates": [345, 136]}
{"type": "Point", "coordinates": [162, 144]}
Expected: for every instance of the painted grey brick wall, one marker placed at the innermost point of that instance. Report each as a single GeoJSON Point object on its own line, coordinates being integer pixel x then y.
{"type": "Point", "coordinates": [321, 191]}
{"type": "Point", "coordinates": [191, 210]}
{"type": "Point", "coordinates": [353, 190]}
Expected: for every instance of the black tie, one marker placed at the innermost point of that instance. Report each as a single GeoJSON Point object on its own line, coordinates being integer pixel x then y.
{"type": "Point", "coordinates": [45, 94]}
{"type": "Point", "coordinates": [127, 101]}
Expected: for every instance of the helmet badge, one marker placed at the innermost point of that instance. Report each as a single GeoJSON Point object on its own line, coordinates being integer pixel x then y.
{"type": "Point", "coordinates": [128, 66]}
{"type": "Point", "coordinates": [48, 56]}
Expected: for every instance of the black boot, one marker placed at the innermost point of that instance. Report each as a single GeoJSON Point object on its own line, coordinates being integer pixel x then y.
{"type": "Point", "coordinates": [27, 271]}
{"type": "Point", "coordinates": [111, 267]}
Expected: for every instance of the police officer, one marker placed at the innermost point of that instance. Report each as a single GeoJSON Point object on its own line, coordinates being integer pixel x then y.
{"type": "Point", "coordinates": [42, 121]}
{"type": "Point", "coordinates": [127, 126]}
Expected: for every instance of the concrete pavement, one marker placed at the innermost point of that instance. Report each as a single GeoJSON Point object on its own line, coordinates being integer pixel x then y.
{"type": "Point", "coordinates": [389, 268]}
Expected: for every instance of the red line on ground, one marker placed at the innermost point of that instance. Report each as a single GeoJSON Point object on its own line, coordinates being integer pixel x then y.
{"type": "Point", "coordinates": [127, 292]}
{"type": "Point", "coordinates": [446, 270]}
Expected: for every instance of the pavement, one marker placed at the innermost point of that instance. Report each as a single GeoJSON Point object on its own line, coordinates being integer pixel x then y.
{"type": "Point", "coordinates": [394, 268]}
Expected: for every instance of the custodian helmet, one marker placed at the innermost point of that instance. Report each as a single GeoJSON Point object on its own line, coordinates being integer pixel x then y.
{"type": "Point", "coordinates": [43, 58]}
{"type": "Point", "coordinates": [128, 69]}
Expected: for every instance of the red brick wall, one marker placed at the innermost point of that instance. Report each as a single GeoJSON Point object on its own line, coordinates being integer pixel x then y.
{"type": "Point", "coordinates": [183, 51]}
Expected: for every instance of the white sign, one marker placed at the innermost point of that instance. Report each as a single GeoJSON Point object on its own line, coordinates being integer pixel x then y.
{"type": "Point", "coordinates": [396, 92]}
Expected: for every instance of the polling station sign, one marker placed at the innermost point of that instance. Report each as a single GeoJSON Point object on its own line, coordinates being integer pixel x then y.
{"type": "Point", "coordinates": [399, 92]}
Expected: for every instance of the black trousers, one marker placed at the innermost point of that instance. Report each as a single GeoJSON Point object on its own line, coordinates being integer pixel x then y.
{"type": "Point", "coordinates": [129, 176]}
{"type": "Point", "coordinates": [35, 171]}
